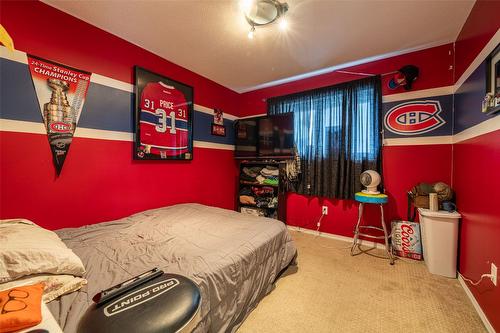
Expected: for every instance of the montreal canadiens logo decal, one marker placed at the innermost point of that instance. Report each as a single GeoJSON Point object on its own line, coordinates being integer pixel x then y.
{"type": "Point", "coordinates": [415, 117]}
{"type": "Point", "coordinates": [60, 127]}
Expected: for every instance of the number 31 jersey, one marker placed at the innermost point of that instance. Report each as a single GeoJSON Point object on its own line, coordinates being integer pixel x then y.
{"type": "Point", "coordinates": [163, 123]}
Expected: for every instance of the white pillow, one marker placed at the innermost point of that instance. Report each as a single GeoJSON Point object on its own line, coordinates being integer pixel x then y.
{"type": "Point", "coordinates": [27, 249]}
{"type": "Point", "coordinates": [54, 285]}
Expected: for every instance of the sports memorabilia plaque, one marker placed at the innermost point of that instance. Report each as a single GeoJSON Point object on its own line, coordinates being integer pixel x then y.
{"type": "Point", "coordinates": [218, 127]}
{"type": "Point", "coordinates": [491, 102]}
{"type": "Point", "coordinates": [164, 118]}
{"type": "Point", "coordinates": [61, 92]}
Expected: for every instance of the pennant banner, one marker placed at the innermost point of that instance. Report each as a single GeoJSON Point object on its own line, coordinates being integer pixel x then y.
{"type": "Point", "coordinates": [61, 92]}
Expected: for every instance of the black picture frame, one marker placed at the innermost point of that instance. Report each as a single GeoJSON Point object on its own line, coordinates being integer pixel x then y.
{"type": "Point", "coordinates": [493, 81]}
{"type": "Point", "coordinates": [180, 103]}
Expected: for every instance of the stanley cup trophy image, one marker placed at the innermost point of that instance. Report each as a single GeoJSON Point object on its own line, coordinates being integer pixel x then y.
{"type": "Point", "coordinates": [61, 93]}
{"type": "Point", "coordinates": [59, 116]}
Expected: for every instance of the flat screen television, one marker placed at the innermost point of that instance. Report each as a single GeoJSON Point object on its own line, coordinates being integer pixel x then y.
{"type": "Point", "coordinates": [269, 137]}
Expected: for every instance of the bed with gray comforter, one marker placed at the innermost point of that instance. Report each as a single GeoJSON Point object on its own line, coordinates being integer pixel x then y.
{"type": "Point", "coordinates": [234, 258]}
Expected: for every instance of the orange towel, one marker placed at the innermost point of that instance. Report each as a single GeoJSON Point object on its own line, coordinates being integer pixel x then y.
{"type": "Point", "coordinates": [20, 307]}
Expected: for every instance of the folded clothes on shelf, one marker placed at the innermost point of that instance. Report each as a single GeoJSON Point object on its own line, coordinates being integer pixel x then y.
{"type": "Point", "coordinates": [247, 200]}
{"type": "Point", "coordinates": [260, 179]}
{"type": "Point", "coordinates": [262, 191]}
{"type": "Point", "coordinates": [271, 181]}
{"type": "Point", "coordinates": [252, 171]}
{"type": "Point", "coordinates": [246, 177]}
{"type": "Point", "coordinates": [246, 191]}
{"type": "Point", "coordinates": [254, 182]}
{"type": "Point", "coordinates": [267, 202]}
{"type": "Point", "coordinates": [270, 171]}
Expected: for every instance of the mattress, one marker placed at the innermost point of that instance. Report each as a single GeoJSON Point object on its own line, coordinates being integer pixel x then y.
{"type": "Point", "coordinates": [234, 258]}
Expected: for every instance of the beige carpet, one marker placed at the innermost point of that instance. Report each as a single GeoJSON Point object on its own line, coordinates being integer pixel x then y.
{"type": "Point", "coordinates": [334, 292]}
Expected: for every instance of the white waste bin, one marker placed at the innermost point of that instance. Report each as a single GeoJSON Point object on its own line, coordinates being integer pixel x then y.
{"type": "Point", "coordinates": [440, 237]}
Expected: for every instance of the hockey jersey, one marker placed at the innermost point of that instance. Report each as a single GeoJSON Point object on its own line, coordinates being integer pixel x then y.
{"type": "Point", "coordinates": [163, 123]}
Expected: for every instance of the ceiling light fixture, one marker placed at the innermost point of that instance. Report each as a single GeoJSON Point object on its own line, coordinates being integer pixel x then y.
{"type": "Point", "coordinates": [283, 24]}
{"type": "Point", "coordinates": [259, 13]}
{"type": "Point", "coordinates": [251, 32]}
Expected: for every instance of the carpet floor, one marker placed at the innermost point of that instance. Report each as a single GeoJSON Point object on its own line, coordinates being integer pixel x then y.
{"type": "Point", "coordinates": [331, 291]}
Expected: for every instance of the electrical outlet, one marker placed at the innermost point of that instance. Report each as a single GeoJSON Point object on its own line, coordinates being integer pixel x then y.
{"type": "Point", "coordinates": [325, 210]}
{"type": "Point", "coordinates": [494, 274]}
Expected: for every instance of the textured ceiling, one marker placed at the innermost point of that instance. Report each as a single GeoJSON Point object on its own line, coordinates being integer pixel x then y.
{"type": "Point", "coordinates": [210, 37]}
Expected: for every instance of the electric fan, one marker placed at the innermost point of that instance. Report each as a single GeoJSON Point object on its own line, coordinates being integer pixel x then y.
{"type": "Point", "coordinates": [370, 179]}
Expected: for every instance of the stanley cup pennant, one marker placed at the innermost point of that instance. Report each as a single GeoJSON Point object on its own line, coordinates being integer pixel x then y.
{"type": "Point", "coordinates": [61, 92]}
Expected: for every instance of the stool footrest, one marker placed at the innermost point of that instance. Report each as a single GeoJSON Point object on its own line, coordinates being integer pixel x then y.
{"type": "Point", "coordinates": [382, 228]}
{"type": "Point", "coordinates": [371, 227]}
{"type": "Point", "coordinates": [370, 236]}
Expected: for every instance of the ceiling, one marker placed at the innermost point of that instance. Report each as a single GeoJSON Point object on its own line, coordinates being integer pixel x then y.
{"type": "Point", "coordinates": [209, 37]}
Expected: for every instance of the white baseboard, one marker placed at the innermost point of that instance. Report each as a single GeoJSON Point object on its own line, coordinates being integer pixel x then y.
{"type": "Point", "coordinates": [337, 237]}
{"type": "Point", "coordinates": [476, 305]}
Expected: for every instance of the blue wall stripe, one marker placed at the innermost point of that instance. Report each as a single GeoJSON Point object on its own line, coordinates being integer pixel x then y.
{"type": "Point", "coordinates": [203, 132]}
{"type": "Point", "coordinates": [108, 108]}
{"type": "Point", "coordinates": [105, 108]}
{"type": "Point", "coordinates": [18, 98]}
{"type": "Point", "coordinates": [468, 100]}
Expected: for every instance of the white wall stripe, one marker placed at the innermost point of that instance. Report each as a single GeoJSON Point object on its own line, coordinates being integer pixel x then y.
{"type": "Point", "coordinates": [254, 115]}
{"type": "Point", "coordinates": [476, 305]}
{"type": "Point", "coordinates": [31, 127]}
{"type": "Point", "coordinates": [211, 112]}
{"type": "Point", "coordinates": [212, 145]}
{"type": "Point", "coordinates": [487, 49]}
{"type": "Point", "coordinates": [15, 55]}
{"type": "Point", "coordinates": [22, 126]}
{"type": "Point", "coordinates": [112, 83]}
{"type": "Point", "coordinates": [21, 57]}
{"type": "Point", "coordinates": [482, 128]}
{"type": "Point", "coordinates": [425, 93]}
{"type": "Point", "coordinates": [490, 125]}
{"type": "Point", "coordinates": [419, 141]}
{"type": "Point", "coordinates": [90, 133]}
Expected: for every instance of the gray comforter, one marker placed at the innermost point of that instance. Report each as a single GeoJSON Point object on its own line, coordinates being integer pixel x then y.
{"type": "Point", "coordinates": [234, 258]}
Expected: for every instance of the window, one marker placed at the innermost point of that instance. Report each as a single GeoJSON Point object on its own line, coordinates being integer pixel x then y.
{"type": "Point", "coordinates": [337, 134]}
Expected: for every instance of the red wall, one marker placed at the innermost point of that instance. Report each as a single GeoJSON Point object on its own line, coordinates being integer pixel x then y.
{"type": "Point", "coordinates": [402, 171]}
{"type": "Point", "coordinates": [481, 25]}
{"type": "Point", "coordinates": [404, 166]}
{"type": "Point", "coordinates": [475, 174]}
{"type": "Point", "coordinates": [100, 181]}
{"type": "Point", "coordinates": [52, 34]}
{"type": "Point", "coordinates": [476, 163]}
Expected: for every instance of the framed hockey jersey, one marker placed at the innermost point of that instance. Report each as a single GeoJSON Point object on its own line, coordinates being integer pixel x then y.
{"type": "Point", "coordinates": [163, 118]}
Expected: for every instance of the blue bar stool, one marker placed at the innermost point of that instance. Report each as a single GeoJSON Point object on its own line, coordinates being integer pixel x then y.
{"type": "Point", "coordinates": [376, 199]}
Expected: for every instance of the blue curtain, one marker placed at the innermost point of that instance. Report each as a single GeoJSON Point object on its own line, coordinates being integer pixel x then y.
{"type": "Point", "coordinates": [337, 132]}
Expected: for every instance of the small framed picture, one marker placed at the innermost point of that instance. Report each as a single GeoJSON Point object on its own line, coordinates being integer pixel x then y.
{"type": "Point", "coordinates": [164, 118]}
{"type": "Point", "coordinates": [218, 130]}
{"type": "Point", "coordinates": [491, 102]}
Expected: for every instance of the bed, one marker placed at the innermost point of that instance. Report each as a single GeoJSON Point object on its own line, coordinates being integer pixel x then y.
{"type": "Point", "coordinates": [234, 258]}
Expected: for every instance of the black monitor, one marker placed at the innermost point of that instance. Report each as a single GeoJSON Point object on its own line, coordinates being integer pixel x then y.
{"type": "Point", "coordinates": [265, 137]}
